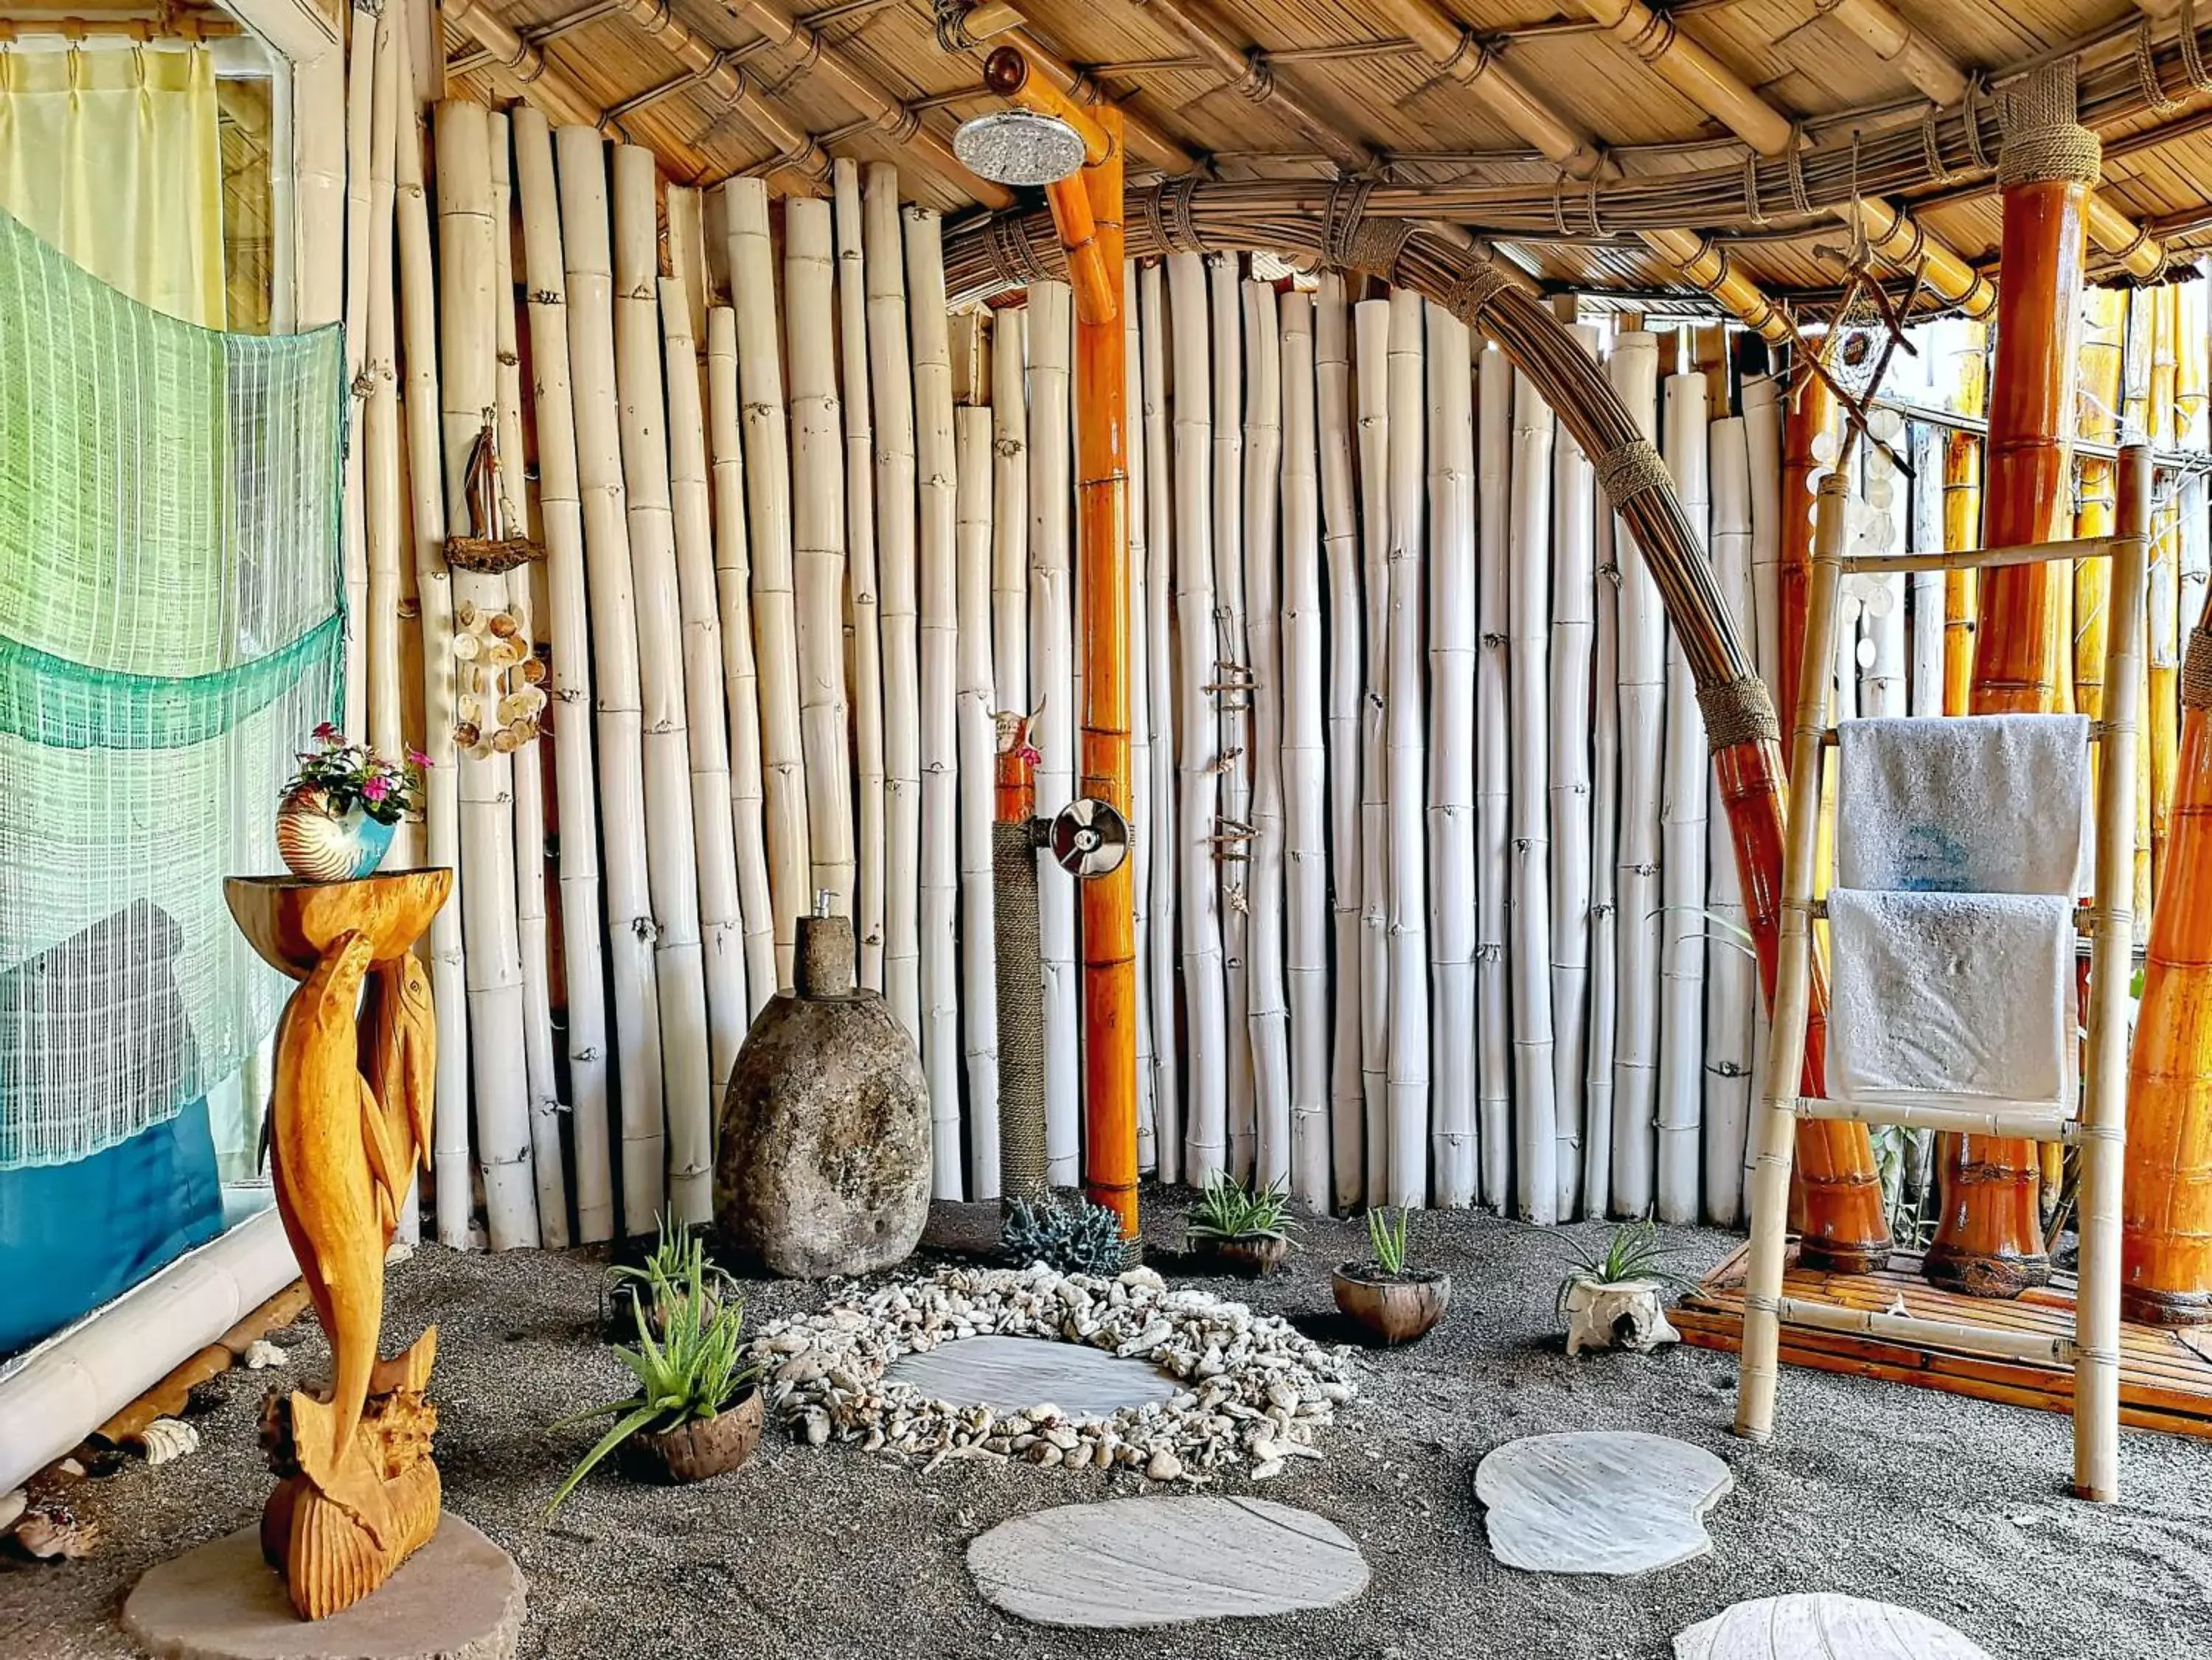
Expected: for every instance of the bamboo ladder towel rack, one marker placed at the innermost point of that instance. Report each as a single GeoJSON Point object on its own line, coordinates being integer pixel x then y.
{"type": "Point", "coordinates": [2100, 1128]}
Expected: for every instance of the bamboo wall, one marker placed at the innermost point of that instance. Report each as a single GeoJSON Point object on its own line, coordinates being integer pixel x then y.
{"type": "Point", "coordinates": [1434, 903]}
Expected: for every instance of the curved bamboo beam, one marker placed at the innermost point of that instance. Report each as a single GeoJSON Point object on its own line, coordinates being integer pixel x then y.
{"type": "Point", "coordinates": [899, 122]}
{"type": "Point", "coordinates": [1844, 1227]}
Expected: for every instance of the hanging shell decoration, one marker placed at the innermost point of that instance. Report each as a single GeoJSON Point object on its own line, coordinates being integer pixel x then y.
{"type": "Point", "coordinates": [502, 689]}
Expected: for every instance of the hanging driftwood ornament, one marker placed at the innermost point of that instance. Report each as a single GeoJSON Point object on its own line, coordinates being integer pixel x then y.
{"type": "Point", "coordinates": [487, 549]}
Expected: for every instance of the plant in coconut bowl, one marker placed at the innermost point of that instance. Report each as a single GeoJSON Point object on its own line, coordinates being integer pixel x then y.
{"type": "Point", "coordinates": [1386, 1293]}
{"type": "Point", "coordinates": [1246, 1231]}
{"type": "Point", "coordinates": [336, 818]}
{"type": "Point", "coordinates": [695, 1411]}
{"type": "Point", "coordinates": [678, 1260]}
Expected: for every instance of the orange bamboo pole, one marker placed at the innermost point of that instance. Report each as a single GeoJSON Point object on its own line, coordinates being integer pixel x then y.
{"type": "Point", "coordinates": [1989, 1239]}
{"type": "Point", "coordinates": [1812, 412]}
{"type": "Point", "coordinates": [1087, 213]}
{"type": "Point", "coordinates": [2166, 1209]}
{"type": "Point", "coordinates": [1962, 530]}
{"type": "Point", "coordinates": [2102, 355]}
{"type": "Point", "coordinates": [2161, 725]}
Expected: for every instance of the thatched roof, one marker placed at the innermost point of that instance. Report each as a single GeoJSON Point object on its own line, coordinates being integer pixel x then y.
{"type": "Point", "coordinates": [1492, 108]}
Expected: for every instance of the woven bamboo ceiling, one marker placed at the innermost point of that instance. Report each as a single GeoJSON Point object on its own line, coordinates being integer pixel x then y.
{"type": "Point", "coordinates": [1535, 124]}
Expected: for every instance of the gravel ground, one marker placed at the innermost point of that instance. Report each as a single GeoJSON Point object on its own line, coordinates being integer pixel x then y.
{"type": "Point", "coordinates": [1950, 1506]}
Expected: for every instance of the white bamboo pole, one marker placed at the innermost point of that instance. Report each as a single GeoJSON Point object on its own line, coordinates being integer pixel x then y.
{"type": "Point", "coordinates": [1052, 688]}
{"type": "Point", "coordinates": [1641, 639]}
{"type": "Point", "coordinates": [1205, 1142]}
{"type": "Point", "coordinates": [1340, 538]}
{"type": "Point", "coordinates": [364, 25]}
{"type": "Point", "coordinates": [1305, 765]}
{"type": "Point", "coordinates": [818, 519]}
{"type": "Point", "coordinates": [1452, 586]}
{"type": "Point", "coordinates": [441, 839]}
{"type": "Point", "coordinates": [671, 841]}
{"type": "Point", "coordinates": [1925, 506]}
{"type": "Point", "coordinates": [468, 392]}
{"type": "Point", "coordinates": [1540, 1143]}
{"type": "Point", "coordinates": [1010, 510]}
{"type": "Point", "coordinates": [1142, 822]}
{"type": "Point", "coordinates": [1762, 432]}
{"type": "Point", "coordinates": [890, 378]}
{"type": "Point", "coordinates": [632, 976]}
{"type": "Point", "coordinates": [379, 623]}
{"type": "Point", "coordinates": [1682, 843]}
{"type": "Point", "coordinates": [978, 743]}
{"type": "Point", "coordinates": [936, 601]}
{"type": "Point", "coordinates": [1406, 756]}
{"type": "Point", "coordinates": [1266, 1012]}
{"type": "Point", "coordinates": [721, 911]}
{"type": "Point", "coordinates": [1731, 974]}
{"type": "Point", "coordinates": [1574, 598]}
{"type": "Point", "coordinates": [1159, 691]}
{"type": "Point", "coordinates": [769, 541]}
{"type": "Point", "coordinates": [860, 570]}
{"type": "Point", "coordinates": [560, 511]}
{"type": "Point", "coordinates": [1493, 796]}
{"type": "Point", "coordinates": [1372, 366]}
{"type": "Point", "coordinates": [548, 1163]}
{"type": "Point", "coordinates": [1604, 834]}
{"type": "Point", "coordinates": [1232, 674]}
{"type": "Point", "coordinates": [740, 674]}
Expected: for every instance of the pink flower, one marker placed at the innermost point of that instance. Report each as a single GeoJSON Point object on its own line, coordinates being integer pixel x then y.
{"type": "Point", "coordinates": [328, 733]}
{"type": "Point", "coordinates": [375, 789]}
{"type": "Point", "coordinates": [417, 758]}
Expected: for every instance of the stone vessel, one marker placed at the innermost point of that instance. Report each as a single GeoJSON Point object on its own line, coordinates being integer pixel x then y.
{"type": "Point", "coordinates": [823, 1165]}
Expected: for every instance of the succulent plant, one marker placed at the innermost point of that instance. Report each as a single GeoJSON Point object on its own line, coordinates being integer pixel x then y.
{"type": "Point", "coordinates": [1081, 1238]}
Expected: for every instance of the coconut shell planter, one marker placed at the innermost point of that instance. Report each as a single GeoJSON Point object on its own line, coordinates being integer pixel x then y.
{"type": "Point", "coordinates": [1397, 1308]}
{"type": "Point", "coordinates": [1240, 1230]}
{"type": "Point", "coordinates": [694, 1451]}
{"type": "Point", "coordinates": [1254, 1256]}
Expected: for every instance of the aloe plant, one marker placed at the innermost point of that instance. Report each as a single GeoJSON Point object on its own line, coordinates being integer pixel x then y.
{"type": "Point", "coordinates": [1388, 1241]}
{"type": "Point", "coordinates": [695, 1370]}
{"type": "Point", "coordinates": [1229, 1210]}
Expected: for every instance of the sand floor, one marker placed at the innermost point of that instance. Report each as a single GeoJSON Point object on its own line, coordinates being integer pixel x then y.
{"type": "Point", "coordinates": [1954, 1507]}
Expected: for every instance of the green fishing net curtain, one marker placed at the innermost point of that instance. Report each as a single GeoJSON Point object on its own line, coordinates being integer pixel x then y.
{"type": "Point", "coordinates": [169, 629]}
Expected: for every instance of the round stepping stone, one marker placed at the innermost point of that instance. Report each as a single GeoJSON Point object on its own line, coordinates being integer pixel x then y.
{"type": "Point", "coordinates": [460, 1598]}
{"type": "Point", "coordinates": [1008, 1374]}
{"type": "Point", "coordinates": [1823, 1626]}
{"type": "Point", "coordinates": [1599, 1501]}
{"type": "Point", "coordinates": [1131, 1563]}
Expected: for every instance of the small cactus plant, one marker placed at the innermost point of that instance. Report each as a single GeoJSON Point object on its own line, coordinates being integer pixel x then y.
{"type": "Point", "coordinates": [1082, 1238]}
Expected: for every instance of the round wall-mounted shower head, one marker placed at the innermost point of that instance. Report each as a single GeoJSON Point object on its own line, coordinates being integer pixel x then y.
{"type": "Point", "coordinates": [1018, 147]}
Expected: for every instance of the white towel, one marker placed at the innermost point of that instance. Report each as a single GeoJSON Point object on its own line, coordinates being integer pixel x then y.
{"type": "Point", "coordinates": [1955, 994]}
{"type": "Point", "coordinates": [1963, 804]}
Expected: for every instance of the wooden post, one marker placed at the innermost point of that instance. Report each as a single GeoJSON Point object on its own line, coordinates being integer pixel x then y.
{"type": "Point", "coordinates": [1989, 1241]}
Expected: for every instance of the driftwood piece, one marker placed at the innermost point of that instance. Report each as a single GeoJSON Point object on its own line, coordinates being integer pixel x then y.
{"type": "Point", "coordinates": [358, 1493]}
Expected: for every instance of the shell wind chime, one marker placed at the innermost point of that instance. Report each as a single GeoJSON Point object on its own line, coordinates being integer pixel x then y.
{"type": "Point", "coordinates": [501, 691]}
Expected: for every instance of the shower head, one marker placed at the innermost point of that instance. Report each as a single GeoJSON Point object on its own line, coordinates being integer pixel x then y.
{"type": "Point", "coordinates": [1018, 147]}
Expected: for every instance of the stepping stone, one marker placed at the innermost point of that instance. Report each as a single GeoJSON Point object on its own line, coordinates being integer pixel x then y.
{"type": "Point", "coordinates": [1599, 1501]}
{"type": "Point", "coordinates": [1823, 1626]}
{"type": "Point", "coordinates": [1008, 1374]}
{"type": "Point", "coordinates": [1131, 1563]}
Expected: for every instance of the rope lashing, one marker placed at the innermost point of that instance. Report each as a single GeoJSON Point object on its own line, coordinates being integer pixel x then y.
{"type": "Point", "coordinates": [1014, 257]}
{"type": "Point", "coordinates": [1738, 711]}
{"type": "Point", "coordinates": [1630, 470]}
{"type": "Point", "coordinates": [1475, 290]}
{"type": "Point", "coordinates": [2043, 141]}
{"type": "Point", "coordinates": [2196, 671]}
{"type": "Point", "coordinates": [2154, 89]}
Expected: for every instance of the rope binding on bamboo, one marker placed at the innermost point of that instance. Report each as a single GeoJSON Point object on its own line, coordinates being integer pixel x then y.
{"type": "Point", "coordinates": [1630, 470]}
{"type": "Point", "coordinates": [2043, 141]}
{"type": "Point", "coordinates": [1738, 711]}
{"type": "Point", "coordinates": [2196, 671]}
{"type": "Point", "coordinates": [1468, 296]}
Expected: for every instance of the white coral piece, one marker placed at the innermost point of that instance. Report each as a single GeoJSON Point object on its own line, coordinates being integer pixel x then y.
{"type": "Point", "coordinates": [261, 1354]}
{"type": "Point", "coordinates": [167, 1438]}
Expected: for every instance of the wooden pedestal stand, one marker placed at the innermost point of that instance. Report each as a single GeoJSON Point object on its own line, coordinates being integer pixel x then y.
{"type": "Point", "coordinates": [349, 1124]}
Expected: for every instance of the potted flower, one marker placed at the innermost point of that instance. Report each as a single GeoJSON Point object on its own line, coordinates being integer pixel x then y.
{"type": "Point", "coordinates": [1245, 1230]}
{"type": "Point", "coordinates": [1392, 1300]}
{"type": "Point", "coordinates": [335, 822]}
{"type": "Point", "coordinates": [696, 1412]}
{"type": "Point", "coordinates": [1615, 1298]}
